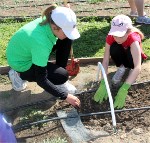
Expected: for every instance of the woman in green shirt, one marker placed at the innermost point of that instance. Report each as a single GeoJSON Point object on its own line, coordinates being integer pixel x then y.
{"type": "Point", "coordinates": [29, 49]}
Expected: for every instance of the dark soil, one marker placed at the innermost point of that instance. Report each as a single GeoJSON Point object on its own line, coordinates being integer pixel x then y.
{"type": "Point", "coordinates": [125, 120]}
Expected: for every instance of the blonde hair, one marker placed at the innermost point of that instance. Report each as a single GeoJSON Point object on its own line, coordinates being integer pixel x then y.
{"type": "Point", "coordinates": [134, 29]}
{"type": "Point", "coordinates": [47, 15]}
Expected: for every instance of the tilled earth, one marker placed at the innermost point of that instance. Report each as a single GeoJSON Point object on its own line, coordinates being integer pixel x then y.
{"type": "Point", "coordinates": [132, 126]}
{"type": "Point", "coordinates": [34, 8]}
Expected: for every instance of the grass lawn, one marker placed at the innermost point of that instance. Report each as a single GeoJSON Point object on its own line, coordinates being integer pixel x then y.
{"type": "Point", "coordinates": [90, 44]}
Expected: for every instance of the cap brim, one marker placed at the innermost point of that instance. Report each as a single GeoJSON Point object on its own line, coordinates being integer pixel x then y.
{"type": "Point", "coordinates": [74, 34]}
{"type": "Point", "coordinates": [117, 33]}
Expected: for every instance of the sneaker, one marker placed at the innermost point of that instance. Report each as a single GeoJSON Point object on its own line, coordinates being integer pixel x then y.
{"type": "Point", "coordinates": [68, 87]}
{"type": "Point", "coordinates": [118, 75]}
{"type": "Point", "coordinates": [17, 83]}
{"type": "Point", "coordinates": [143, 20]}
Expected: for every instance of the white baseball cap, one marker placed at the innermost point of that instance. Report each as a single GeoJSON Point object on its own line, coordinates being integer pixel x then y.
{"type": "Point", "coordinates": [119, 25]}
{"type": "Point", "coordinates": [65, 18]}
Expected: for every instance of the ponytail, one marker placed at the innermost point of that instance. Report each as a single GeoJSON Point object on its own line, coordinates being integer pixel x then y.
{"type": "Point", "coordinates": [134, 29]}
{"type": "Point", "coordinates": [47, 14]}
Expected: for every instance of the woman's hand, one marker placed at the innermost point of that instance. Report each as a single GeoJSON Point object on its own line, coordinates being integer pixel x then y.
{"type": "Point", "coordinates": [73, 100]}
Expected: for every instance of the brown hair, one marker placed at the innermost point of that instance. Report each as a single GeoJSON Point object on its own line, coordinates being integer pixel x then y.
{"type": "Point", "coordinates": [47, 14]}
{"type": "Point", "coordinates": [134, 29]}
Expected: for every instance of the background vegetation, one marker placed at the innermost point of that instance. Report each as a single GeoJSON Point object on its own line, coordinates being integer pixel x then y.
{"type": "Point", "coordinates": [91, 43]}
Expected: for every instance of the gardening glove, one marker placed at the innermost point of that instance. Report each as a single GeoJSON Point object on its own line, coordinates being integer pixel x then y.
{"type": "Point", "coordinates": [121, 96]}
{"type": "Point", "coordinates": [101, 93]}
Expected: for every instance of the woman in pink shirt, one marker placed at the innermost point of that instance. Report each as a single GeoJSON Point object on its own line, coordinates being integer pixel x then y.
{"type": "Point", "coordinates": [123, 44]}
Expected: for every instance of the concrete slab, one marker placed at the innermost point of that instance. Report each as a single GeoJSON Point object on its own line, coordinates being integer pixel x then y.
{"type": "Point", "coordinates": [75, 129]}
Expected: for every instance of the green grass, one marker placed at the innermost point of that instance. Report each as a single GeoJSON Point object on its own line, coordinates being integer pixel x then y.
{"type": "Point", "coordinates": [90, 44]}
{"type": "Point", "coordinates": [92, 39]}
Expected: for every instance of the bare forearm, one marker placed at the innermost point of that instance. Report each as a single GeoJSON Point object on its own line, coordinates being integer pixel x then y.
{"type": "Point", "coordinates": [105, 65]}
{"type": "Point", "coordinates": [133, 75]}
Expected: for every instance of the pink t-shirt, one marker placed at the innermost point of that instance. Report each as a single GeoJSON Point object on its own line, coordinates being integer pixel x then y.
{"type": "Point", "coordinates": [132, 37]}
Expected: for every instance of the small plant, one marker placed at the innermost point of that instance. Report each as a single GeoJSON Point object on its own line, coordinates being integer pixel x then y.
{"type": "Point", "coordinates": [16, 1]}
{"type": "Point", "coordinates": [32, 115]}
{"type": "Point", "coordinates": [55, 140]}
{"type": "Point", "coordinates": [4, 79]}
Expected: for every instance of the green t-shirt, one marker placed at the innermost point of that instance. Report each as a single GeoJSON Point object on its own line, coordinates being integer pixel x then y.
{"type": "Point", "coordinates": [31, 44]}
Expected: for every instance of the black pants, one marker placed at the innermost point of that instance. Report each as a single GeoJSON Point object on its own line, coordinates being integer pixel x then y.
{"type": "Point", "coordinates": [55, 73]}
{"type": "Point", "coordinates": [121, 56]}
